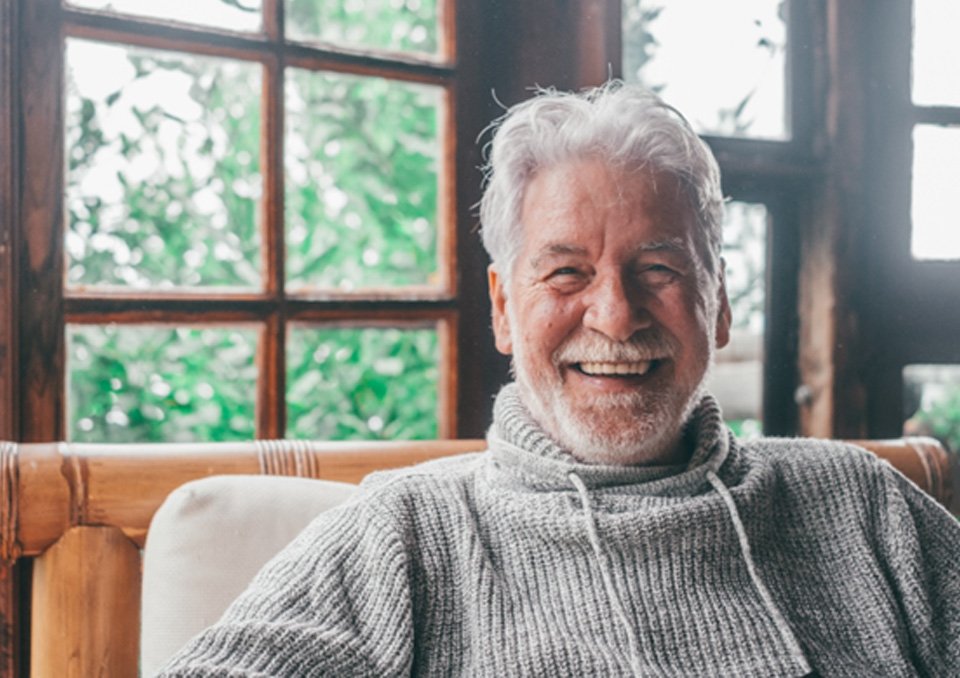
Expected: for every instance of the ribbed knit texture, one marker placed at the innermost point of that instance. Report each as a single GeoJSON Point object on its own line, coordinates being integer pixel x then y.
{"type": "Point", "coordinates": [768, 558]}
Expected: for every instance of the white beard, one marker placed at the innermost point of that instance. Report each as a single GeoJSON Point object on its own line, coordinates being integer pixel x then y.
{"type": "Point", "coordinates": [641, 427]}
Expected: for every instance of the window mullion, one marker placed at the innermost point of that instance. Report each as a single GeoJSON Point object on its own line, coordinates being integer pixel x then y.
{"type": "Point", "coordinates": [273, 20]}
{"type": "Point", "coordinates": [41, 319]}
{"type": "Point", "coordinates": [271, 401]}
{"type": "Point", "coordinates": [9, 181]}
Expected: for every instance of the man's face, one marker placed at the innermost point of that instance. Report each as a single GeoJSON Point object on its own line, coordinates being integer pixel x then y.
{"type": "Point", "coordinates": [609, 314]}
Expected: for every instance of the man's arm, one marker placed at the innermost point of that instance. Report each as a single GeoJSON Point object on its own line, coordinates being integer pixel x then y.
{"type": "Point", "coordinates": [921, 543]}
{"type": "Point", "coordinates": [334, 602]}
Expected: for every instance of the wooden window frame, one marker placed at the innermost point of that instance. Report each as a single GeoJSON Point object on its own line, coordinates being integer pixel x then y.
{"type": "Point", "coordinates": [34, 224]}
{"type": "Point", "coordinates": [913, 302]}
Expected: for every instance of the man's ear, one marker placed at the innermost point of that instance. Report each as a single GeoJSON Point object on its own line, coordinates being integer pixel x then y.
{"type": "Point", "coordinates": [724, 313]}
{"type": "Point", "coordinates": [498, 306]}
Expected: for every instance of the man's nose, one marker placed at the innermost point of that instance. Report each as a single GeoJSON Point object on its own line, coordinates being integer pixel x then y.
{"type": "Point", "coordinates": [614, 309]}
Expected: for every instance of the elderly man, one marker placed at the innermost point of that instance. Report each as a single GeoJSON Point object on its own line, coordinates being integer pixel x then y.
{"type": "Point", "coordinates": [615, 526]}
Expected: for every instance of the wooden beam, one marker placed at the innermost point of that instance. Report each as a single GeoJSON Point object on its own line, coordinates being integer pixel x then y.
{"type": "Point", "coordinates": [480, 369]}
{"type": "Point", "coordinates": [160, 34]}
{"type": "Point", "coordinates": [550, 43]}
{"type": "Point", "coordinates": [9, 217]}
{"type": "Point", "coordinates": [86, 606]}
{"type": "Point", "coordinates": [10, 572]}
{"type": "Point", "coordinates": [41, 222]}
{"type": "Point", "coordinates": [833, 353]}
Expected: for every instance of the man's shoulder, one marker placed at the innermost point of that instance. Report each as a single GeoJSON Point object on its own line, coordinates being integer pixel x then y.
{"type": "Point", "coordinates": [816, 484]}
{"type": "Point", "coordinates": [811, 456]}
{"type": "Point", "coordinates": [443, 472]}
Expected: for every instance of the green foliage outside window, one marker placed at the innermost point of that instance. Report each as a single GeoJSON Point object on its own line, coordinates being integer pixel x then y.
{"type": "Point", "coordinates": [362, 383]}
{"type": "Point", "coordinates": [398, 25]}
{"type": "Point", "coordinates": [361, 188]}
{"type": "Point", "coordinates": [163, 180]}
{"type": "Point", "coordinates": [942, 420]}
{"type": "Point", "coordinates": [153, 384]}
{"type": "Point", "coordinates": [932, 402]}
{"type": "Point", "coordinates": [164, 190]}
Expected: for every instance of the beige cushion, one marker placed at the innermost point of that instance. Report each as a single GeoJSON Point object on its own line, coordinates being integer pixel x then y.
{"type": "Point", "coordinates": [207, 541]}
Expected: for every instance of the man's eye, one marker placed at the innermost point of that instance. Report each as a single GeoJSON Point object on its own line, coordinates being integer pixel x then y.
{"type": "Point", "coordinates": [657, 274]}
{"type": "Point", "coordinates": [565, 274]}
{"type": "Point", "coordinates": [567, 278]}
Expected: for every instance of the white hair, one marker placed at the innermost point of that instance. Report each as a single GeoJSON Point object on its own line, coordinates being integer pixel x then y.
{"type": "Point", "coordinates": [627, 125]}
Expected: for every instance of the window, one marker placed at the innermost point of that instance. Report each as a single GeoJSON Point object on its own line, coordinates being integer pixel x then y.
{"type": "Point", "coordinates": [911, 265]}
{"type": "Point", "coordinates": [170, 184]}
{"type": "Point", "coordinates": [259, 224]}
{"type": "Point", "coordinates": [737, 378]}
{"type": "Point", "coordinates": [936, 132]}
{"type": "Point", "coordinates": [740, 90]}
{"type": "Point", "coordinates": [932, 403]}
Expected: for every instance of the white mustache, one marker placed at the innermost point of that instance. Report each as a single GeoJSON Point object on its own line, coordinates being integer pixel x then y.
{"type": "Point", "coordinates": [652, 344]}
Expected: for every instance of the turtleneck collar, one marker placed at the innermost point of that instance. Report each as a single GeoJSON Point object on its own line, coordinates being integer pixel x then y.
{"type": "Point", "coordinates": [518, 443]}
{"type": "Point", "coordinates": [523, 455]}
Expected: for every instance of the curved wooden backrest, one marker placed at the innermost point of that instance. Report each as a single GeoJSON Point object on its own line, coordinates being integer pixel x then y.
{"type": "Point", "coordinates": [83, 511]}
{"type": "Point", "coordinates": [46, 488]}
{"type": "Point", "coordinates": [50, 487]}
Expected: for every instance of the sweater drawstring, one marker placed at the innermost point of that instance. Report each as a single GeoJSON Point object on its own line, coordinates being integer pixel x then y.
{"type": "Point", "coordinates": [615, 599]}
{"type": "Point", "coordinates": [778, 619]}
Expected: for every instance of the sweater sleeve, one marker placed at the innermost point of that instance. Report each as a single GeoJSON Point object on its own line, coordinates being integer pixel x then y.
{"type": "Point", "coordinates": [921, 544]}
{"type": "Point", "coordinates": [335, 602]}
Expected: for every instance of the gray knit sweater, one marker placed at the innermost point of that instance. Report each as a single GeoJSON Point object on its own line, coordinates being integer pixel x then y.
{"type": "Point", "coordinates": [767, 558]}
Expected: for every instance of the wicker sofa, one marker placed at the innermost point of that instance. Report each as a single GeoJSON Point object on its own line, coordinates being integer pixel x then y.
{"type": "Point", "coordinates": [82, 512]}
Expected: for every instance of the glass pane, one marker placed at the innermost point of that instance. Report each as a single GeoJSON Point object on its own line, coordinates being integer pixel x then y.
{"type": "Point", "coordinates": [936, 175]}
{"type": "Point", "coordinates": [362, 383]}
{"type": "Point", "coordinates": [163, 169]}
{"type": "Point", "coordinates": [361, 189]}
{"type": "Point", "coordinates": [931, 403]}
{"type": "Point", "coordinates": [135, 383]}
{"type": "Point", "coordinates": [395, 25]}
{"type": "Point", "coordinates": [737, 378]}
{"type": "Point", "coordinates": [723, 64]}
{"type": "Point", "coordinates": [231, 15]}
{"type": "Point", "coordinates": [936, 52]}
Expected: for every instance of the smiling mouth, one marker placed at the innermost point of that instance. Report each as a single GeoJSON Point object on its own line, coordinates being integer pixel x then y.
{"type": "Point", "coordinates": [615, 369]}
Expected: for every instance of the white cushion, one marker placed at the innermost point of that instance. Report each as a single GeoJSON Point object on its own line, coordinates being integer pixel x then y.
{"type": "Point", "coordinates": [208, 540]}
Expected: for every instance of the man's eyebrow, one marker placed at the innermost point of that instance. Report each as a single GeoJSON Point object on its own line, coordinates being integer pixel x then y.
{"type": "Point", "coordinates": [668, 245]}
{"type": "Point", "coordinates": [556, 249]}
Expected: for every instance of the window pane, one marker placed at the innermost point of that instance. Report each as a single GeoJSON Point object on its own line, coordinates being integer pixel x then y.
{"type": "Point", "coordinates": [723, 64]}
{"type": "Point", "coordinates": [395, 25]}
{"type": "Point", "coordinates": [362, 383]}
{"type": "Point", "coordinates": [228, 14]}
{"type": "Point", "coordinates": [152, 383]}
{"type": "Point", "coordinates": [737, 378]}
{"type": "Point", "coordinates": [936, 175]}
{"type": "Point", "coordinates": [361, 189]}
{"type": "Point", "coordinates": [163, 169]}
{"type": "Point", "coordinates": [931, 400]}
{"type": "Point", "coordinates": [936, 52]}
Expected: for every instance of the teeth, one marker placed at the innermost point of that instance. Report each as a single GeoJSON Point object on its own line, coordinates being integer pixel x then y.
{"type": "Point", "coordinates": [633, 369]}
